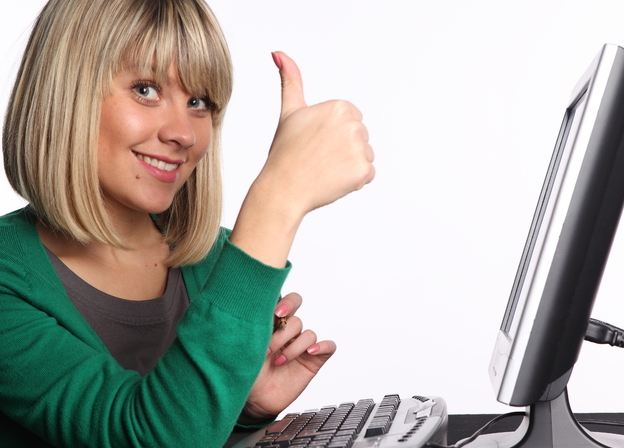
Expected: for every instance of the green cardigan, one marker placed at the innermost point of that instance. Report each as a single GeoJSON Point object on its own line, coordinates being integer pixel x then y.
{"type": "Point", "coordinates": [58, 380]}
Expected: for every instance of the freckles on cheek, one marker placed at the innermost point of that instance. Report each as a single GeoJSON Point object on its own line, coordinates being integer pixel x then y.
{"type": "Point", "coordinates": [132, 126]}
{"type": "Point", "coordinates": [120, 126]}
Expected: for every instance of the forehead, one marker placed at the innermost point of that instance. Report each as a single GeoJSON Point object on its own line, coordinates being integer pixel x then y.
{"type": "Point", "coordinates": [167, 73]}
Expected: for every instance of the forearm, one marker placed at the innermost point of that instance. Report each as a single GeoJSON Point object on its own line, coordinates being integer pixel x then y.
{"type": "Point", "coordinates": [266, 225]}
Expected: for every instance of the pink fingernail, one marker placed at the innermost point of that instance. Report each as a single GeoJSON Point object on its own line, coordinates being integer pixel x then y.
{"type": "Point", "coordinates": [269, 352]}
{"type": "Point", "coordinates": [280, 360]}
{"type": "Point", "coordinates": [281, 311]}
{"type": "Point", "coordinates": [313, 349]}
{"type": "Point", "coordinates": [277, 61]}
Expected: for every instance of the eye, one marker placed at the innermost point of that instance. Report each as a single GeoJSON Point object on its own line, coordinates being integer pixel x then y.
{"type": "Point", "coordinates": [146, 90]}
{"type": "Point", "coordinates": [200, 103]}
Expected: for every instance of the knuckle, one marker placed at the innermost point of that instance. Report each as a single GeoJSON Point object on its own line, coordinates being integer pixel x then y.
{"type": "Point", "coordinates": [310, 335]}
{"type": "Point", "coordinates": [342, 107]}
{"type": "Point", "coordinates": [356, 129]}
{"type": "Point", "coordinates": [372, 173]}
{"type": "Point", "coordinates": [295, 322]}
{"type": "Point", "coordinates": [296, 299]}
{"type": "Point", "coordinates": [370, 153]}
{"type": "Point", "coordinates": [367, 174]}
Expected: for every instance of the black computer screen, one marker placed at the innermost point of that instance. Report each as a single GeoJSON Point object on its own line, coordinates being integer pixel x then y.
{"type": "Point", "coordinates": [557, 166]}
{"type": "Point", "coordinates": [568, 244]}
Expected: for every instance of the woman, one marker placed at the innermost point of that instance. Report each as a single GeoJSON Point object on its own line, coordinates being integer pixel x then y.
{"type": "Point", "coordinates": [129, 317]}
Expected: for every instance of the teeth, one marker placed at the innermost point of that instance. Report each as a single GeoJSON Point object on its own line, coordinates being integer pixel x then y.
{"type": "Point", "coordinates": [161, 165]}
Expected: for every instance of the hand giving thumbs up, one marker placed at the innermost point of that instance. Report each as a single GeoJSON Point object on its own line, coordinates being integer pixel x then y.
{"type": "Point", "coordinates": [319, 154]}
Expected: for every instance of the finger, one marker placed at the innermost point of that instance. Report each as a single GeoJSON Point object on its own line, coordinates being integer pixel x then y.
{"type": "Point", "coordinates": [356, 113]}
{"type": "Point", "coordinates": [369, 154]}
{"type": "Point", "coordinates": [289, 305]}
{"type": "Point", "coordinates": [281, 339]}
{"type": "Point", "coordinates": [364, 133]}
{"type": "Point", "coordinates": [368, 176]}
{"type": "Point", "coordinates": [297, 347]}
{"type": "Point", "coordinates": [327, 348]}
{"type": "Point", "coordinates": [292, 84]}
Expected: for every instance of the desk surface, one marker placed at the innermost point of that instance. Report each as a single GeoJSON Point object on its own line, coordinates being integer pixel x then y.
{"type": "Point", "coordinates": [464, 425]}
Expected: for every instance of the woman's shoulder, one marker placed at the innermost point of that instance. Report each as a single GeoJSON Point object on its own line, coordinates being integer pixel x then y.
{"type": "Point", "coordinates": [20, 248]}
{"type": "Point", "coordinates": [215, 250]}
{"type": "Point", "coordinates": [20, 216]}
{"type": "Point", "coordinates": [18, 234]}
{"type": "Point", "coordinates": [17, 227]}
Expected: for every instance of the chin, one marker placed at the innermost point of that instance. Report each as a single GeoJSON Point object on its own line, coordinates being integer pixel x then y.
{"type": "Point", "coordinates": [157, 210]}
{"type": "Point", "coordinates": [152, 207]}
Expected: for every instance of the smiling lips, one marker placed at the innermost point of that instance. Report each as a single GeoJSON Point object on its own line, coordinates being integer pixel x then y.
{"type": "Point", "coordinates": [164, 171]}
{"type": "Point", "coordinates": [160, 164]}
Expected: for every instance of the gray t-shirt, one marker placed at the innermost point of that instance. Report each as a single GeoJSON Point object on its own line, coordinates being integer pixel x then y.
{"type": "Point", "coordinates": [137, 333]}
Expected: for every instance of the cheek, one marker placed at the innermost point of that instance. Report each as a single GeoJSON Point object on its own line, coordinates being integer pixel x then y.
{"type": "Point", "coordinates": [121, 126]}
{"type": "Point", "coordinates": [203, 145]}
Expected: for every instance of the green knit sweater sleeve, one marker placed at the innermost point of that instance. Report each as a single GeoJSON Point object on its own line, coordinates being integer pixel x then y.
{"type": "Point", "coordinates": [58, 381]}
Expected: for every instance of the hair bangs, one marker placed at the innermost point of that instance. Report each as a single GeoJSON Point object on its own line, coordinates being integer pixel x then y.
{"type": "Point", "coordinates": [166, 32]}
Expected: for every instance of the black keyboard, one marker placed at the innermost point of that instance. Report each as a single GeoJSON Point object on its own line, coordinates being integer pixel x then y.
{"type": "Point", "coordinates": [390, 423]}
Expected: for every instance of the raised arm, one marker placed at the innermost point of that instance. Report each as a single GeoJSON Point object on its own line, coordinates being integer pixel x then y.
{"type": "Point", "coordinates": [320, 153]}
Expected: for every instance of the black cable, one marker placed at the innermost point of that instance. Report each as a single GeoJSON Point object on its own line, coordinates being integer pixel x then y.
{"type": "Point", "coordinates": [603, 333]}
{"type": "Point", "coordinates": [601, 422]}
{"type": "Point", "coordinates": [480, 431]}
{"type": "Point", "coordinates": [496, 419]}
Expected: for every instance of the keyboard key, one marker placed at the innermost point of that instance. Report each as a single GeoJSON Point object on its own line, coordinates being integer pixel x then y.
{"type": "Point", "coordinates": [277, 427]}
{"type": "Point", "coordinates": [314, 432]}
{"type": "Point", "coordinates": [384, 415]}
{"type": "Point", "coordinates": [266, 441]}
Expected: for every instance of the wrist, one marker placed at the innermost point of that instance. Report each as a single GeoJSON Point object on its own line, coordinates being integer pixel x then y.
{"type": "Point", "coordinates": [245, 419]}
{"type": "Point", "coordinates": [266, 225]}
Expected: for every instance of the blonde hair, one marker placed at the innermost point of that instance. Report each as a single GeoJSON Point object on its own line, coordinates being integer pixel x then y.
{"type": "Point", "coordinates": [50, 135]}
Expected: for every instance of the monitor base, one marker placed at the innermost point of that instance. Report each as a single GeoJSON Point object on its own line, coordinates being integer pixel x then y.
{"type": "Point", "coordinates": [549, 424]}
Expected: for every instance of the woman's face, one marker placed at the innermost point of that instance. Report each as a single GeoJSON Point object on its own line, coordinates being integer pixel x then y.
{"type": "Point", "coordinates": [151, 138]}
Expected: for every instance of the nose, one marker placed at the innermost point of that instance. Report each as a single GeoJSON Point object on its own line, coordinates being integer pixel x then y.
{"type": "Point", "coordinates": [177, 128]}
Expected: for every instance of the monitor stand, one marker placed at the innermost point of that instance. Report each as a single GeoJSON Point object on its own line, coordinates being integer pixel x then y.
{"type": "Point", "coordinates": [549, 424]}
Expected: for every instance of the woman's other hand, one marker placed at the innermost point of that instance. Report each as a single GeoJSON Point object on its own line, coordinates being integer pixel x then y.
{"type": "Point", "coordinates": [294, 358]}
{"type": "Point", "coordinates": [319, 154]}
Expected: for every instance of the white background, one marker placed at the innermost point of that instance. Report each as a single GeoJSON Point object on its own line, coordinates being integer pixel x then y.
{"type": "Point", "coordinates": [463, 101]}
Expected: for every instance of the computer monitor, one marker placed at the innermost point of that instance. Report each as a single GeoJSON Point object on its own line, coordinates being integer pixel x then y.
{"type": "Point", "coordinates": [562, 263]}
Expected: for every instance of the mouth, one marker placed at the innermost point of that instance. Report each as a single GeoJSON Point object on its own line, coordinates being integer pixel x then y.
{"type": "Point", "coordinates": [157, 163]}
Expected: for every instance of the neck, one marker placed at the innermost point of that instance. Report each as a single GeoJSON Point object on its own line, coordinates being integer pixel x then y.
{"type": "Point", "coordinates": [137, 231]}
{"type": "Point", "coordinates": [139, 273]}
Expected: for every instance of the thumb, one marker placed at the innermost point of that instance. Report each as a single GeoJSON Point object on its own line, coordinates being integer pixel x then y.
{"type": "Point", "coordinates": [292, 84]}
